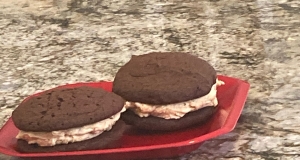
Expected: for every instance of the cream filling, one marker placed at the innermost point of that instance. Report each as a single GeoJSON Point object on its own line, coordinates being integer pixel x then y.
{"type": "Point", "coordinates": [176, 110]}
{"type": "Point", "coordinates": [70, 135]}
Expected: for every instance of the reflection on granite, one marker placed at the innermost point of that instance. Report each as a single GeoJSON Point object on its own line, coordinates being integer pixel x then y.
{"type": "Point", "coordinates": [54, 42]}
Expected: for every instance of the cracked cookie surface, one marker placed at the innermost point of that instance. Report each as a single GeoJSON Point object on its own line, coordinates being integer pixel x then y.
{"type": "Point", "coordinates": [64, 108]}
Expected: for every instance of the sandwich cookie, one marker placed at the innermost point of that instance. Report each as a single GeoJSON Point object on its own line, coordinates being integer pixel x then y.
{"type": "Point", "coordinates": [167, 91]}
{"type": "Point", "coordinates": [68, 119]}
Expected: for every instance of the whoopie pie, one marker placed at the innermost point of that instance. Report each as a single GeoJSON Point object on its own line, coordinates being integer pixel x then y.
{"type": "Point", "coordinates": [167, 91]}
{"type": "Point", "coordinates": [69, 119]}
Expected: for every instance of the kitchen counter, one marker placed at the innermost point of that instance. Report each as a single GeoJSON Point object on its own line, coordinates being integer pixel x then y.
{"type": "Point", "coordinates": [53, 42]}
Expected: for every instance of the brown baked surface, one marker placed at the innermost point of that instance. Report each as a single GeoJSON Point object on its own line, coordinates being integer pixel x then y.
{"type": "Point", "coordinates": [164, 78]}
{"type": "Point", "coordinates": [59, 109]}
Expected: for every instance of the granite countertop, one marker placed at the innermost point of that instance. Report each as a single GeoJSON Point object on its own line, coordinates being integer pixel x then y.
{"type": "Point", "coordinates": [45, 43]}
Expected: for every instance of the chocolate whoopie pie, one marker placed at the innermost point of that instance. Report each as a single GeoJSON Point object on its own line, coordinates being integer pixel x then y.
{"type": "Point", "coordinates": [167, 91]}
{"type": "Point", "coordinates": [68, 119]}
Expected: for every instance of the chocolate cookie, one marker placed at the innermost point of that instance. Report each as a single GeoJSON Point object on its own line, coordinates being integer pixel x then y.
{"type": "Point", "coordinates": [159, 124]}
{"type": "Point", "coordinates": [164, 78]}
{"type": "Point", "coordinates": [59, 109]}
{"type": "Point", "coordinates": [104, 140]}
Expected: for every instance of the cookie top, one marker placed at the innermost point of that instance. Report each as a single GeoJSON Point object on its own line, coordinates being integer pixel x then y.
{"type": "Point", "coordinates": [64, 108]}
{"type": "Point", "coordinates": [164, 78]}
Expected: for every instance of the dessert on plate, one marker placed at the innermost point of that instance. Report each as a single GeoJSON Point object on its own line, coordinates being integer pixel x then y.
{"type": "Point", "coordinates": [166, 91]}
{"type": "Point", "coordinates": [69, 119]}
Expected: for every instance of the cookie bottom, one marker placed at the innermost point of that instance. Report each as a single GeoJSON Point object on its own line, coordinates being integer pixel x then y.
{"type": "Point", "coordinates": [104, 140]}
{"type": "Point", "coordinates": [159, 124]}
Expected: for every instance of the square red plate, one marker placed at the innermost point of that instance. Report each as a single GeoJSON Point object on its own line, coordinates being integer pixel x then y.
{"type": "Point", "coordinates": [143, 145]}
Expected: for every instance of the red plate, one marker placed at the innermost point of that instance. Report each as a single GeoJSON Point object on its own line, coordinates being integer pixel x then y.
{"type": "Point", "coordinates": [140, 145]}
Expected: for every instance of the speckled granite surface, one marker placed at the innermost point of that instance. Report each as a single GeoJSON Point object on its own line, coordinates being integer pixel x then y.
{"type": "Point", "coordinates": [53, 42]}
